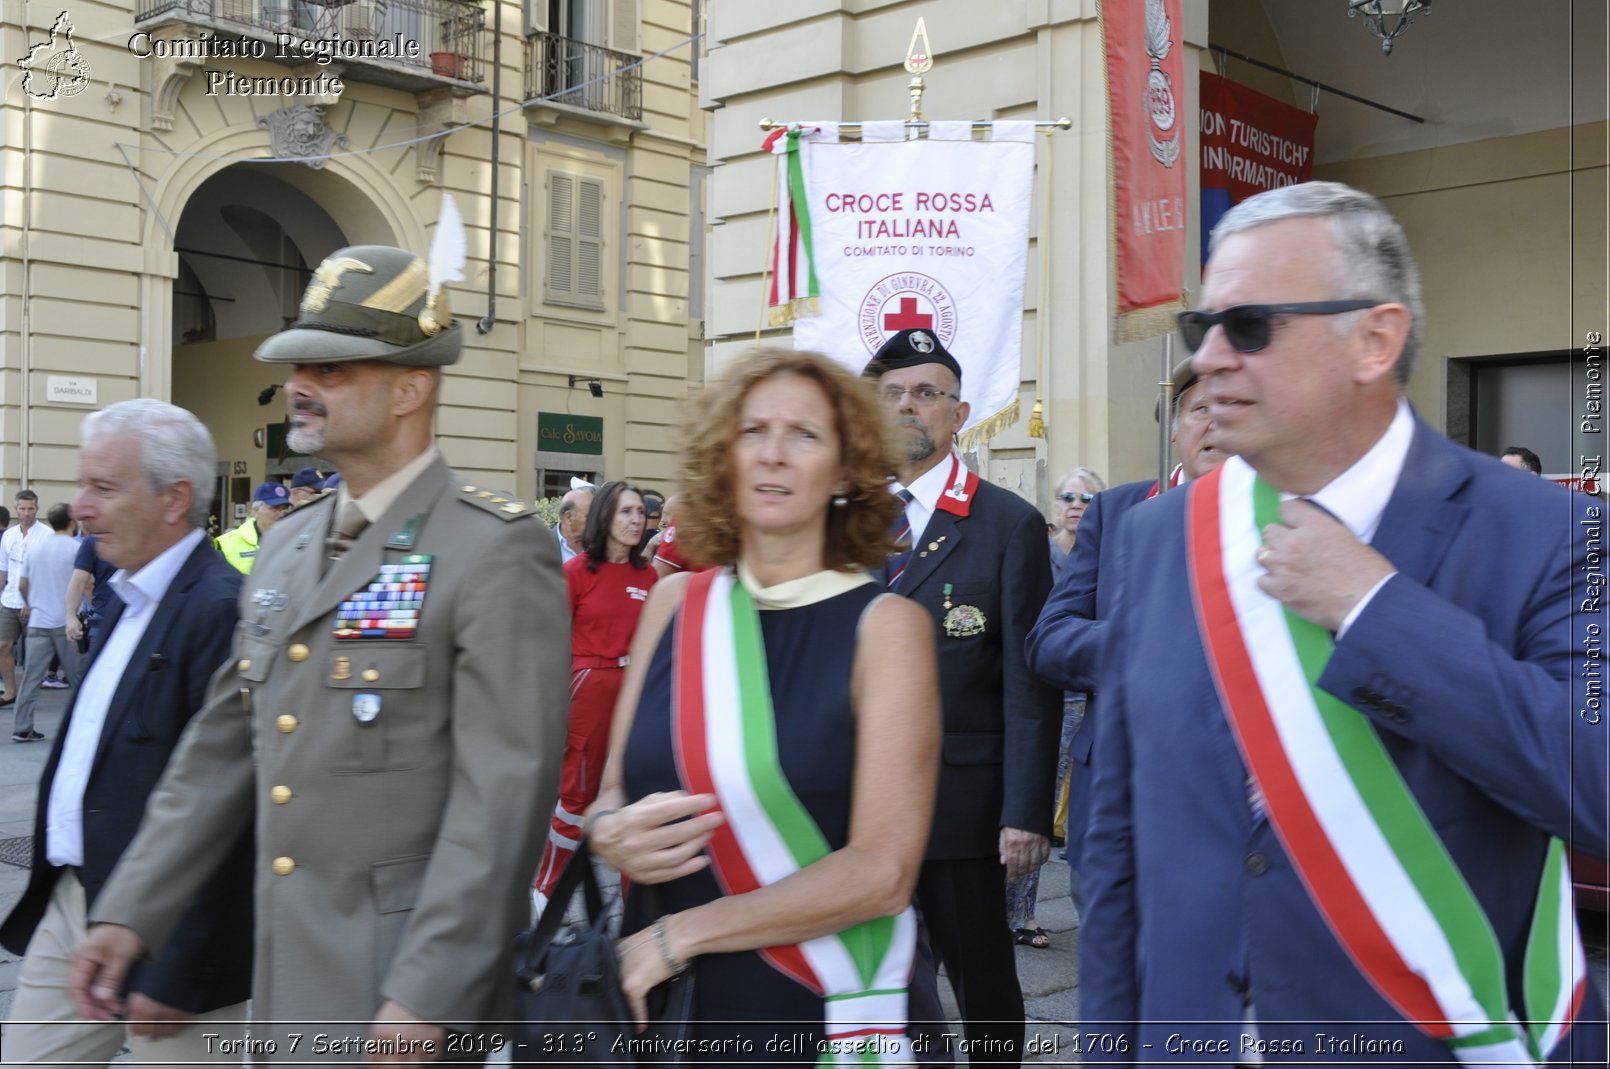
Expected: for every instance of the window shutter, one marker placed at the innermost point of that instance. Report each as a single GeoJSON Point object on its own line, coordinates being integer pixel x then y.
{"type": "Point", "coordinates": [590, 242]}
{"type": "Point", "coordinates": [561, 284]}
{"type": "Point", "coordinates": [536, 16]}
{"type": "Point", "coordinates": [623, 25]}
{"type": "Point", "coordinates": [575, 239]}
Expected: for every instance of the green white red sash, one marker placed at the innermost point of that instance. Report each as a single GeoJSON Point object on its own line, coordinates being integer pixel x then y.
{"type": "Point", "coordinates": [1370, 860]}
{"type": "Point", "coordinates": [725, 738]}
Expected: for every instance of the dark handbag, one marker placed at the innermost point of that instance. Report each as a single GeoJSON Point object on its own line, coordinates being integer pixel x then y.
{"type": "Point", "coordinates": [568, 1002]}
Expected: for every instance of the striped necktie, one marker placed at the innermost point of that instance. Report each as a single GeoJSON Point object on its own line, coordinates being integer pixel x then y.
{"type": "Point", "coordinates": [902, 537]}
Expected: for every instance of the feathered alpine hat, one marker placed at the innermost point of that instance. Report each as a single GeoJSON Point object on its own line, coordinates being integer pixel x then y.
{"type": "Point", "coordinates": [376, 302]}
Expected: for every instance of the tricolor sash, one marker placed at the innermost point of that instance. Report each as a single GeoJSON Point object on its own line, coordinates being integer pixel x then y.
{"type": "Point", "coordinates": [725, 739]}
{"type": "Point", "coordinates": [1371, 862]}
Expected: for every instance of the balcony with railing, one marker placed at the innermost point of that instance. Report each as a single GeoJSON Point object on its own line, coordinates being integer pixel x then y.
{"type": "Point", "coordinates": [575, 74]}
{"type": "Point", "coordinates": [406, 44]}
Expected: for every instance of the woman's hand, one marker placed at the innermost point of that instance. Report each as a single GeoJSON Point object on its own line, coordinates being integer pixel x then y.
{"type": "Point", "coordinates": [653, 840]}
{"type": "Point", "coordinates": [642, 969]}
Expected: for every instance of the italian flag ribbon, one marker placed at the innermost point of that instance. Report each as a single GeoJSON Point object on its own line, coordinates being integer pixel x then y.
{"type": "Point", "coordinates": [725, 738]}
{"type": "Point", "coordinates": [1369, 858]}
{"type": "Point", "coordinates": [794, 290]}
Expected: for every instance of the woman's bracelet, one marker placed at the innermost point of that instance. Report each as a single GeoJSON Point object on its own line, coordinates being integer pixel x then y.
{"type": "Point", "coordinates": [676, 966]}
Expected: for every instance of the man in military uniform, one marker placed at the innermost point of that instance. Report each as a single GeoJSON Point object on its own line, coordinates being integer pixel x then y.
{"type": "Point", "coordinates": [239, 545]}
{"type": "Point", "coordinates": [394, 712]}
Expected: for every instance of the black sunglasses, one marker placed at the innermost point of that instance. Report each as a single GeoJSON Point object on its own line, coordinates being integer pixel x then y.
{"type": "Point", "coordinates": [1071, 497]}
{"type": "Point", "coordinates": [1246, 326]}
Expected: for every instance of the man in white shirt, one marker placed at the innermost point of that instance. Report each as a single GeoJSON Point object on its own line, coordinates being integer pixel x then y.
{"type": "Point", "coordinates": [573, 509]}
{"type": "Point", "coordinates": [160, 642]}
{"type": "Point", "coordinates": [42, 582]}
{"type": "Point", "coordinates": [1345, 729]}
{"type": "Point", "coordinates": [13, 613]}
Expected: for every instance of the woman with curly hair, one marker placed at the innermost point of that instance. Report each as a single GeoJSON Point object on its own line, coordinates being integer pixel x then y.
{"type": "Point", "coordinates": [609, 581]}
{"type": "Point", "coordinates": [777, 742]}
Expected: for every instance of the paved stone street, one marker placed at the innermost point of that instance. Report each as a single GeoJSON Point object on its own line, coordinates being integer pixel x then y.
{"type": "Point", "coordinates": [1049, 977]}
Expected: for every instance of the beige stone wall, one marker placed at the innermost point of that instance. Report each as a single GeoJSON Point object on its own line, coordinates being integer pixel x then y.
{"type": "Point", "coordinates": [88, 244]}
{"type": "Point", "coordinates": [1510, 237]}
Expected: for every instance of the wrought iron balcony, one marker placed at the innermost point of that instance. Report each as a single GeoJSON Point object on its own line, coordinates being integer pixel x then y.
{"type": "Point", "coordinates": [563, 70]}
{"type": "Point", "coordinates": [407, 44]}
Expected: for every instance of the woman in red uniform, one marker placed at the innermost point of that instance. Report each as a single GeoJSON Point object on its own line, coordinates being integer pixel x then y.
{"type": "Point", "coordinates": [609, 581]}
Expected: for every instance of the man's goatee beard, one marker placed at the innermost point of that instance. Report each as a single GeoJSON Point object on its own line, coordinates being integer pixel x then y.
{"type": "Point", "coordinates": [922, 447]}
{"type": "Point", "coordinates": [305, 440]}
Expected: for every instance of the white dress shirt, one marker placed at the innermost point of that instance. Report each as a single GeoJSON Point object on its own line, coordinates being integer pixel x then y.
{"type": "Point", "coordinates": [141, 592]}
{"type": "Point", "coordinates": [1358, 496]}
{"type": "Point", "coordinates": [925, 491]}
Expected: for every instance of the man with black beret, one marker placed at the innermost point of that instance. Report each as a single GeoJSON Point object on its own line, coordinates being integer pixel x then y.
{"type": "Point", "coordinates": [393, 711]}
{"type": "Point", "coordinates": [976, 559]}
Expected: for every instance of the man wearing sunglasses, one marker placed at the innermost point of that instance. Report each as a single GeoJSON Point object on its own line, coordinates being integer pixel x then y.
{"type": "Point", "coordinates": [1332, 825]}
{"type": "Point", "coordinates": [1067, 645]}
{"type": "Point", "coordinates": [978, 564]}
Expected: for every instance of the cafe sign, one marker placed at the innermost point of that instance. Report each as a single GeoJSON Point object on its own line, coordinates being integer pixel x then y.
{"type": "Point", "coordinates": [559, 432]}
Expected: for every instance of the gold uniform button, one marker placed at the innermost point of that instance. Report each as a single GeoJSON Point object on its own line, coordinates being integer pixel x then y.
{"type": "Point", "coordinates": [243, 665]}
{"type": "Point", "coordinates": [286, 723]}
{"type": "Point", "coordinates": [284, 866]}
{"type": "Point", "coordinates": [297, 652]}
{"type": "Point", "coordinates": [281, 795]}
{"type": "Point", "coordinates": [370, 675]}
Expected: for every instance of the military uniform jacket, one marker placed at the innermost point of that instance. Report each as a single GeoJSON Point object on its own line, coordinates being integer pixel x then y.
{"type": "Point", "coordinates": [400, 785]}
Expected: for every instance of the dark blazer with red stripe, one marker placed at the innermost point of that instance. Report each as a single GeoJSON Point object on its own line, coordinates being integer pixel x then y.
{"type": "Point", "coordinates": [1001, 723]}
{"type": "Point", "coordinates": [1469, 662]}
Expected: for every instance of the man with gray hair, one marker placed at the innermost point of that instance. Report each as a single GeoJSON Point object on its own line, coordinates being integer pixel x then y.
{"type": "Point", "coordinates": [1340, 748]}
{"type": "Point", "coordinates": [573, 509]}
{"type": "Point", "coordinates": [145, 474]}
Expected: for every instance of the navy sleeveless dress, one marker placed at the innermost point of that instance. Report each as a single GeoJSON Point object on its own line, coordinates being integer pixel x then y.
{"type": "Point", "coordinates": [740, 1001]}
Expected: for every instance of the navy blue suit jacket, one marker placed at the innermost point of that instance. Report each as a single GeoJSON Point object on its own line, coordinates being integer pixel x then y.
{"type": "Point", "coordinates": [207, 963]}
{"type": "Point", "coordinates": [1065, 646]}
{"type": "Point", "coordinates": [1468, 662]}
{"type": "Point", "coordinates": [998, 766]}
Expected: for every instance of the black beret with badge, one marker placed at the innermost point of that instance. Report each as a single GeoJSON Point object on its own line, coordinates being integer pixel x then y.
{"type": "Point", "coordinates": [910, 348]}
{"type": "Point", "coordinates": [376, 302]}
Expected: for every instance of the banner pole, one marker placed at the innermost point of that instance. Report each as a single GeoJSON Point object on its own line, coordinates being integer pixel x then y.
{"type": "Point", "coordinates": [1165, 413]}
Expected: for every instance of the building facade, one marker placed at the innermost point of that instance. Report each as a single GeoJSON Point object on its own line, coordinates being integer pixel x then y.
{"type": "Point", "coordinates": [172, 170]}
{"type": "Point", "coordinates": [1501, 187]}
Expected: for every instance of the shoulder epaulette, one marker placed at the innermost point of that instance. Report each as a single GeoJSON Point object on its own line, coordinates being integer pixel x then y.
{"type": "Point", "coordinates": [497, 503]}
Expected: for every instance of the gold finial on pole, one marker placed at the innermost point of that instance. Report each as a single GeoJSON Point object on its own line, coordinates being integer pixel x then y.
{"type": "Point", "coordinates": [919, 61]}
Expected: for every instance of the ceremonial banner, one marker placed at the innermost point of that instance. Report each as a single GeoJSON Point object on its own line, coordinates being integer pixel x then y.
{"type": "Point", "coordinates": [876, 236]}
{"type": "Point", "coordinates": [1250, 143]}
{"type": "Point", "coordinates": [1145, 97]}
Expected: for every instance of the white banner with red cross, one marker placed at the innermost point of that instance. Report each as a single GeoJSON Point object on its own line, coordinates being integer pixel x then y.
{"type": "Point", "coordinates": [882, 234]}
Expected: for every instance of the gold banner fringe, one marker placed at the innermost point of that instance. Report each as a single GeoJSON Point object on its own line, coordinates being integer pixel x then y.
{"type": "Point", "coordinates": [985, 429]}
{"type": "Point", "coordinates": [782, 315]}
{"type": "Point", "coordinates": [1146, 323]}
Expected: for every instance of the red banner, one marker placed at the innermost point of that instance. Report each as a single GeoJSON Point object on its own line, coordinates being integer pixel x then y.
{"type": "Point", "coordinates": [1250, 143]}
{"type": "Point", "coordinates": [1145, 113]}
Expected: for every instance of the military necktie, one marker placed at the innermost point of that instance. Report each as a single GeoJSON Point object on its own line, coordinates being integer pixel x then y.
{"type": "Point", "coordinates": [348, 526]}
{"type": "Point", "coordinates": [902, 536]}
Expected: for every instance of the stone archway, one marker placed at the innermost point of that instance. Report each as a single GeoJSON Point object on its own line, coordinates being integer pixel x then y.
{"type": "Point", "coordinates": [244, 246]}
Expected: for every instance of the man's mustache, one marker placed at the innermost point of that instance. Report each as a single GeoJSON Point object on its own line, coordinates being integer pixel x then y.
{"type": "Point", "coordinates": [312, 407]}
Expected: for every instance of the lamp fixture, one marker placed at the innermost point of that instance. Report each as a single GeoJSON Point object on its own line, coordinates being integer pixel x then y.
{"type": "Point", "coordinates": [1388, 18]}
{"type": "Point", "coordinates": [594, 386]}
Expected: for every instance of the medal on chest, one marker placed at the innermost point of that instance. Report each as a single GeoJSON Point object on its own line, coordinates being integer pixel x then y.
{"type": "Point", "coordinates": [389, 607]}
